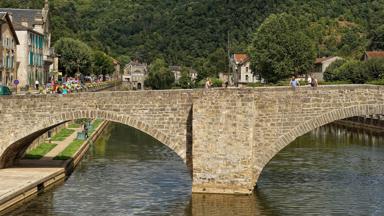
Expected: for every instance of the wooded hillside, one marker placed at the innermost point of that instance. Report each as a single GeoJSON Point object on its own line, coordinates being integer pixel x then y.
{"type": "Point", "coordinates": [186, 32]}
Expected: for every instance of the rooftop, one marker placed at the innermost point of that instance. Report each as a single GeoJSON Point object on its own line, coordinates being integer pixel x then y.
{"type": "Point", "coordinates": [240, 58]}
{"type": "Point", "coordinates": [30, 16]}
{"type": "Point", "coordinates": [375, 54]}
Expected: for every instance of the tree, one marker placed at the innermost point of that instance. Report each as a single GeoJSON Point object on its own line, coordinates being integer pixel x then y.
{"type": "Point", "coordinates": [375, 68]}
{"type": "Point", "coordinates": [216, 62]}
{"type": "Point", "coordinates": [185, 81]}
{"type": "Point", "coordinates": [377, 41]}
{"type": "Point", "coordinates": [75, 56]}
{"type": "Point", "coordinates": [159, 77]}
{"type": "Point", "coordinates": [102, 63]}
{"type": "Point", "coordinates": [280, 48]}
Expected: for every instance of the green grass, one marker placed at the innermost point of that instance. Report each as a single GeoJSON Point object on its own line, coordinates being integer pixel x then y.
{"type": "Point", "coordinates": [69, 152]}
{"type": "Point", "coordinates": [40, 151]}
{"type": "Point", "coordinates": [64, 133]}
{"type": "Point", "coordinates": [377, 82]}
{"type": "Point", "coordinates": [74, 125]}
{"type": "Point", "coordinates": [95, 124]}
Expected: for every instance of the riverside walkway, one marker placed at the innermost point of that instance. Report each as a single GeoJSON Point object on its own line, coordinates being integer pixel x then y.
{"type": "Point", "coordinates": [28, 176]}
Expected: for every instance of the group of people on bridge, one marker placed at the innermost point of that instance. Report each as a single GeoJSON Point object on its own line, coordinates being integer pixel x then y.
{"type": "Point", "coordinates": [312, 81]}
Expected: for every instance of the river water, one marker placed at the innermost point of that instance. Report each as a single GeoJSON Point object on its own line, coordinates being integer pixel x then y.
{"type": "Point", "coordinates": [330, 171]}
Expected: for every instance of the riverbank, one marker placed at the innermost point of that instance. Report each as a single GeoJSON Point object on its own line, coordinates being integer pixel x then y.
{"type": "Point", "coordinates": [31, 177]}
{"type": "Point", "coordinates": [372, 123]}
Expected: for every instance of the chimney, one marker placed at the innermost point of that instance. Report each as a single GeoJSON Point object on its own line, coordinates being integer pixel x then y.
{"type": "Point", "coordinates": [24, 22]}
{"type": "Point", "coordinates": [46, 5]}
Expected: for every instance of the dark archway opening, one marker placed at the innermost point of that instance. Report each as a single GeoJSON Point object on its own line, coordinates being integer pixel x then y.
{"type": "Point", "coordinates": [125, 172]}
{"type": "Point", "coordinates": [329, 170]}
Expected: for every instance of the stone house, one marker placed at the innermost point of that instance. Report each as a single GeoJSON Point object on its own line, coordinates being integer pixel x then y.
{"type": "Point", "coordinates": [8, 53]}
{"type": "Point", "coordinates": [176, 70]}
{"type": "Point", "coordinates": [34, 53]}
{"type": "Point", "coordinates": [242, 72]}
{"type": "Point", "coordinates": [321, 65]}
{"type": "Point", "coordinates": [135, 74]}
{"type": "Point", "coordinates": [372, 54]}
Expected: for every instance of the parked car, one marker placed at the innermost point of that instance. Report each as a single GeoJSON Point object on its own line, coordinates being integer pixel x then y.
{"type": "Point", "coordinates": [4, 90]}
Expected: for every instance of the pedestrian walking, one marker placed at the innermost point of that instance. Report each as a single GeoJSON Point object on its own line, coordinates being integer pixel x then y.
{"type": "Point", "coordinates": [294, 83]}
{"type": "Point", "coordinates": [313, 82]}
{"type": "Point", "coordinates": [208, 84]}
{"type": "Point", "coordinates": [37, 84]}
{"type": "Point", "coordinates": [85, 130]}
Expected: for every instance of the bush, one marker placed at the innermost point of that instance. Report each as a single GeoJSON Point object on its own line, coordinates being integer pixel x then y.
{"type": "Point", "coordinates": [375, 68]}
{"type": "Point", "coordinates": [216, 82]}
{"type": "Point", "coordinates": [341, 82]}
{"type": "Point", "coordinates": [332, 72]}
{"type": "Point", "coordinates": [377, 82]}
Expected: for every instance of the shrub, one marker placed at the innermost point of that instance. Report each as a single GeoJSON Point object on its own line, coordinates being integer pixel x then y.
{"type": "Point", "coordinates": [332, 72]}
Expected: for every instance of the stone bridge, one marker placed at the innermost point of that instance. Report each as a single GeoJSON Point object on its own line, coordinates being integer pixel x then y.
{"type": "Point", "coordinates": [225, 136]}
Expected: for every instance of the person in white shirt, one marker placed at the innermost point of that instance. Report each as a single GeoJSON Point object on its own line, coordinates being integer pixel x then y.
{"type": "Point", "coordinates": [37, 84]}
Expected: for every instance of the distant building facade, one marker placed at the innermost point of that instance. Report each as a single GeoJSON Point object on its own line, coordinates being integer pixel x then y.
{"type": "Point", "coordinates": [34, 53]}
{"type": "Point", "coordinates": [242, 72]}
{"type": "Point", "coordinates": [176, 71]}
{"type": "Point", "coordinates": [8, 54]}
{"type": "Point", "coordinates": [372, 54]}
{"type": "Point", "coordinates": [135, 74]}
{"type": "Point", "coordinates": [321, 65]}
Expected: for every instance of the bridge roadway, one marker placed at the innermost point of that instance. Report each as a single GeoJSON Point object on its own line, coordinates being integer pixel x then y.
{"type": "Point", "coordinates": [225, 136]}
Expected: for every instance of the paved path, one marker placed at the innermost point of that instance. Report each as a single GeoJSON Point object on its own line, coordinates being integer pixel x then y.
{"type": "Point", "coordinates": [18, 179]}
{"type": "Point", "coordinates": [61, 145]}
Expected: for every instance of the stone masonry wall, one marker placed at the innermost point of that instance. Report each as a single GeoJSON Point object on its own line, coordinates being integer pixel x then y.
{"type": "Point", "coordinates": [236, 132]}
{"type": "Point", "coordinates": [161, 114]}
{"type": "Point", "coordinates": [226, 136]}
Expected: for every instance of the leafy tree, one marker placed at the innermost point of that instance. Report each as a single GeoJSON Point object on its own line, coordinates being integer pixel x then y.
{"type": "Point", "coordinates": [102, 63]}
{"type": "Point", "coordinates": [186, 32]}
{"type": "Point", "coordinates": [216, 62]}
{"type": "Point", "coordinates": [75, 56]}
{"type": "Point", "coordinates": [159, 77]}
{"type": "Point", "coordinates": [185, 81]}
{"type": "Point", "coordinates": [377, 41]}
{"type": "Point", "coordinates": [375, 68]}
{"type": "Point", "coordinates": [354, 71]}
{"type": "Point", "coordinates": [332, 73]}
{"type": "Point", "coordinates": [281, 48]}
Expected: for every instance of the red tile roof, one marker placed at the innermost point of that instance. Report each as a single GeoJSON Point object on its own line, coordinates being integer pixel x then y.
{"type": "Point", "coordinates": [375, 54]}
{"type": "Point", "coordinates": [241, 58]}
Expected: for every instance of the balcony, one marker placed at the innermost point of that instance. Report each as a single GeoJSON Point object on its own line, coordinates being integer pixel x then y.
{"type": "Point", "coordinates": [49, 55]}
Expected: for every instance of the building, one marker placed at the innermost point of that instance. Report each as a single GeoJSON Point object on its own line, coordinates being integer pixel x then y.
{"type": "Point", "coordinates": [321, 65]}
{"type": "Point", "coordinates": [135, 74]}
{"type": "Point", "coordinates": [176, 70]}
{"type": "Point", "coordinates": [242, 72]}
{"type": "Point", "coordinates": [8, 53]}
{"type": "Point", "coordinates": [372, 54]}
{"type": "Point", "coordinates": [34, 53]}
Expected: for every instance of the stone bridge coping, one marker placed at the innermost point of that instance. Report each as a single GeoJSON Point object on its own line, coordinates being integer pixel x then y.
{"type": "Point", "coordinates": [225, 135]}
{"type": "Point", "coordinates": [177, 91]}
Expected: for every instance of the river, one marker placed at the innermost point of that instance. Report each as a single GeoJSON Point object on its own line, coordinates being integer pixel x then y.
{"type": "Point", "coordinates": [330, 171]}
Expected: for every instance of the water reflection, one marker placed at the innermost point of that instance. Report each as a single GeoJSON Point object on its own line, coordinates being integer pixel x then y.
{"type": "Point", "coordinates": [330, 171]}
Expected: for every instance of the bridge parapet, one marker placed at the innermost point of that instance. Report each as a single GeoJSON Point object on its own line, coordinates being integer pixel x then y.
{"type": "Point", "coordinates": [226, 136]}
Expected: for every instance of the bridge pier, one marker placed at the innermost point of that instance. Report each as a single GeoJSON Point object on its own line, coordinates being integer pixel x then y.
{"type": "Point", "coordinates": [223, 142]}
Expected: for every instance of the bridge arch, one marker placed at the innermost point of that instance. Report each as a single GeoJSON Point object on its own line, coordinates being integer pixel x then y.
{"type": "Point", "coordinates": [316, 122]}
{"type": "Point", "coordinates": [12, 150]}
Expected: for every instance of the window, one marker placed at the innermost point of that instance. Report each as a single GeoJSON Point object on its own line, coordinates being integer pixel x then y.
{"type": "Point", "coordinates": [246, 69]}
{"type": "Point", "coordinates": [30, 58]}
{"type": "Point", "coordinates": [246, 77]}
